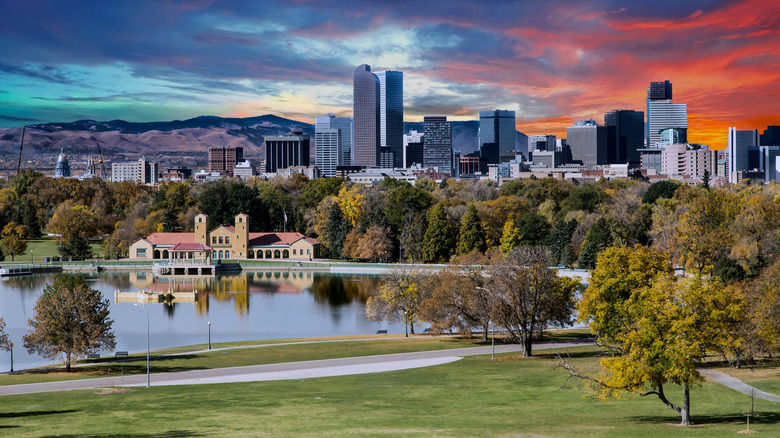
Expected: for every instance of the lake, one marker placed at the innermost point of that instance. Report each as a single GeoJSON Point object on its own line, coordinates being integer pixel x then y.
{"type": "Point", "coordinates": [245, 306]}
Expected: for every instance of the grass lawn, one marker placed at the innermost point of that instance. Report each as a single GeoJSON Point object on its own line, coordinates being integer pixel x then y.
{"type": "Point", "coordinates": [475, 396]}
{"type": "Point", "coordinates": [47, 246]}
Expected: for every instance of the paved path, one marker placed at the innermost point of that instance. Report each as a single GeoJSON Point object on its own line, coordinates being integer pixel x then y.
{"type": "Point", "coordinates": [738, 385]}
{"type": "Point", "coordinates": [282, 371]}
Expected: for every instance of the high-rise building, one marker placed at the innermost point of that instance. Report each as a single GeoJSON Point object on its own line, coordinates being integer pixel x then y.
{"type": "Point", "coordinates": [282, 152]}
{"type": "Point", "coordinates": [62, 167]}
{"type": "Point", "coordinates": [344, 125]}
{"type": "Point", "coordinates": [366, 125]}
{"type": "Point", "coordinates": [629, 128]}
{"type": "Point", "coordinates": [413, 148]}
{"type": "Point", "coordinates": [141, 171]}
{"type": "Point", "coordinates": [328, 150]}
{"type": "Point", "coordinates": [541, 143]}
{"type": "Point", "coordinates": [589, 143]}
{"type": "Point", "coordinates": [497, 136]}
{"type": "Point", "coordinates": [224, 159]}
{"type": "Point", "coordinates": [687, 159]}
{"type": "Point", "coordinates": [662, 113]}
{"type": "Point", "coordinates": [771, 136]}
{"type": "Point", "coordinates": [437, 143]}
{"type": "Point", "coordinates": [741, 145]}
{"type": "Point", "coordinates": [391, 113]}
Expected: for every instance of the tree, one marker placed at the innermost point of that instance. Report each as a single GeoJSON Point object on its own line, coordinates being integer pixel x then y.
{"type": "Point", "coordinates": [529, 296]}
{"type": "Point", "coordinates": [559, 241]}
{"type": "Point", "coordinates": [5, 342]}
{"type": "Point", "coordinates": [472, 234]}
{"type": "Point", "coordinates": [660, 189]}
{"type": "Point", "coordinates": [13, 242]}
{"type": "Point", "coordinates": [70, 319]}
{"type": "Point", "coordinates": [598, 238]}
{"type": "Point", "coordinates": [437, 243]}
{"type": "Point", "coordinates": [74, 224]}
{"type": "Point", "coordinates": [336, 231]}
{"type": "Point", "coordinates": [398, 298]}
{"type": "Point", "coordinates": [510, 238]}
{"type": "Point", "coordinates": [533, 229]}
{"type": "Point", "coordinates": [412, 236]}
{"type": "Point", "coordinates": [656, 328]}
{"type": "Point", "coordinates": [705, 179]}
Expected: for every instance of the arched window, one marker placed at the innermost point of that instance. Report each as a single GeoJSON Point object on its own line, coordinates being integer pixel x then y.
{"type": "Point", "coordinates": [227, 254]}
{"type": "Point", "coordinates": [220, 254]}
{"type": "Point", "coordinates": [156, 254]}
{"type": "Point", "coordinates": [165, 254]}
{"type": "Point", "coordinates": [268, 254]}
{"type": "Point", "coordinates": [250, 254]}
{"type": "Point", "coordinates": [276, 254]}
{"type": "Point", "coordinates": [286, 254]}
{"type": "Point", "coordinates": [213, 254]}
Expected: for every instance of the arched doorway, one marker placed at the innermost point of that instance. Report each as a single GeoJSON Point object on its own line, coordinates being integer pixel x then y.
{"type": "Point", "coordinates": [156, 254]}
{"type": "Point", "coordinates": [286, 254]}
{"type": "Point", "coordinates": [268, 254]}
{"type": "Point", "coordinates": [277, 254]}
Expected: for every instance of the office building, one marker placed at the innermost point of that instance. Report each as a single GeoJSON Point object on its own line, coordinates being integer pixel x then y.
{"type": "Point", "coordinates": [741, 145]}
{"type": "Point", "coordinates": [413, 148]}
{"type": "Point", "coordinates": [366, 124]}
{"type": "Point", "coordinates": [344, 125]}
{"type": "Point", "coordinates": [674, 136]}
{"type": "Point", "coordinates": [437, 143]}
{"type": "Point", "coordinates": [662, 113]}
{"type": "Point", "coordinates": [62, 167]}
{"type": "Point", "coordinates": [497, 136]}
{"type": "Point", "coordinates": [244, 170]}
{"type": "Point", "coordinates": [286, 151]}
{"type": "Point", "coordinates": [391, 113]}
{"type": "Point", "coordinates": [629, 129]}
{"type": "Point", "coordinates": [141, 171]}
{"type": "Point", "coordinates": [687, 159]}
{"type": "Point", "coordinates": [589, 143]}
{"type": "Point", "coordinates": [224, 159]}
{"type": "Point", "coordinates": [768, 162]}
{"type": "Point", "coordinates": [771, 136]}
{"type": "Point", "coordinates": [541, 143]}
{"type": "Point", "coordinates": [328, 150]}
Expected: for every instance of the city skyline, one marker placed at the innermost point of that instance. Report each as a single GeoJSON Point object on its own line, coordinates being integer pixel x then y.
{"type": "Point", "coordinates": [552, 64]}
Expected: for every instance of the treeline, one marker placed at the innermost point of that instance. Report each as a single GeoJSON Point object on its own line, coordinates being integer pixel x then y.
{"type": "Point", "coordinates": [730, 229]}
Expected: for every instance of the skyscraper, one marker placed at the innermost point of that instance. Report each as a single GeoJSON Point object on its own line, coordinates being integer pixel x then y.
{"type": "Point", "coordinates": [344, 125]}
{"type": "Point", "coordinates": [497, 136]}
{"type": "Point", "coordinates": [589, 143]}
{"type": "Point", "coordinates": [437, 143]}
{"type": "Point", "coordinates": [224, 159]}
{"type": "Point", "coordinates": [740, 146]}
{"type": "Point", "coordinates": [366, 126]}
{"type": "Point", "coordinates": [286, 151]}
{"type": "Point", "coordinates": [328, 150]}
{"type": "Point", "coordinates": [391, 113]}
{"type": "Point", "coordinates": [629, 132]}
{"type": "Point", "coordinates": [662, 113]}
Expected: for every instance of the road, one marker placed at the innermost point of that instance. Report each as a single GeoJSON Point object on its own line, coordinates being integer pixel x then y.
{"type": "Point", "coordinates": [282, 371]}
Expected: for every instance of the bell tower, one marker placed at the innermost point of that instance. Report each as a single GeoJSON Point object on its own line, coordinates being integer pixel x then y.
{"type": "Point", "coordinates": [242, 236]}
{"type": "Point", "coordinates": [201, 229]}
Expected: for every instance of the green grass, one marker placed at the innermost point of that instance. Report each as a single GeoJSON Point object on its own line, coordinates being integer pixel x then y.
{"type": "Point", "coordinates": [475, 396]}
{"type": "Point", "coordinates": [47, 246]}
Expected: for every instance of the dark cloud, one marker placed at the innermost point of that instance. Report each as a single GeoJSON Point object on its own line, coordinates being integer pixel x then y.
{"type": "Point", "coordinates": [18, 119]}
{"type": "Point", "coordinates": [45, 72]}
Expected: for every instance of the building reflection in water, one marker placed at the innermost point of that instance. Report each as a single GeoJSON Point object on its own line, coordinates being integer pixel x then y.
{"type": "Point", "coordinates": [327, 289]}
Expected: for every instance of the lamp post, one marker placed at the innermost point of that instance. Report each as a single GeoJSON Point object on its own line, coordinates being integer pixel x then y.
{"type": "Point", "coordinates": [147, 344]}
{"type": "Point", "coordinates": [32, 257]}
{"type": "Point", "coordinates": [209, 335]}
{"type": "Point", "coordinates": [12, 356]}
{"type": "Point", "coordinates": [491, 324]}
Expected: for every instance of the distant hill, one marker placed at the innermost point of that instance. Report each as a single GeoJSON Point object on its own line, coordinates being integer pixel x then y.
{"type": "Point", "coordinates": [177, 140]}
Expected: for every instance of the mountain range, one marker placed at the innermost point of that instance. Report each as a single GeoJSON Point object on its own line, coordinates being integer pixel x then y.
{"type": "Point", "coordinates": [178, 139]}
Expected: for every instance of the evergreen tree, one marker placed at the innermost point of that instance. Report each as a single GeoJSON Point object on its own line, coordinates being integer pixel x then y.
{"type": "Point", "coordinates": [74, 246]}
{"type": "Point", "coordinates": [559, 239]}
{"type": "Point", "coordinates": [437, 243]}
{"type": "Point", "coordinates": [599, 237]}
{"type": "Point", "coordinates": [705, 179]}
{"type": "Point", "coordinates": [338, 228]}
{"type": "Point", "coordinates": [510, 238]}
{"type": "Point", "coordinates": [533, 229]}
{"type": "Point", "coordinates": [170, 221]}
{"type": "Point", "coordinates": [472, 234]}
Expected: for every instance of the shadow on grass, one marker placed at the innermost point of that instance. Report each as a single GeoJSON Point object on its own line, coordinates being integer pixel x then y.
{"type": "Point", "coordinates": [759, 418]}
{"type": "Point", "coordinates": [168, 434]}
{"type": "Point", "coordinates": [752, 364]}
{"type": "Point", "coordinates": [131, 366]}
{"type": "Point", "coordinates": [34, 413]}
{"type": "Point", "coordinates": [569, 354]}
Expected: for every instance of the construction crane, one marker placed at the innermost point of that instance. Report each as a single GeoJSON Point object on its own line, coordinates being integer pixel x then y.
{"type": "Point", "coordinates": [19, 166]}
{"type": "Point", "coordinates": [103, 174]}
{"type": "Point", "coordinates": [92, 163]}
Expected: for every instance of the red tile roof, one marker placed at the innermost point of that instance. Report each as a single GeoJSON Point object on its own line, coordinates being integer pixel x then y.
{"type": "Point", "coordinates": [190, 246]}
{"type": "Point", "coordinates": [170, 238]}
{"type": "Point", "coordinates": [264, 239]}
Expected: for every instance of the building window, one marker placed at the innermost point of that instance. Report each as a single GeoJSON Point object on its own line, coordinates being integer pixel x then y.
{"type": "Point", "coordinates": [293, 251]}
{"type": "Point", "coordinates": [227, 239]}
{"type": "Point", "coordinates": [140, 252]}
{"type": "Point", "coordinates": [220, 239]}
{"type": "Point", "coordinates": [240, 219]}
{"type": "Point", "coordinates": [220, 254]}
{"type": "Point", "coordinates": [200, 219]}
{"type": "Point", "coordinates": [213, 254]}
{"type": "Point", "coordinates": [308, 252]}
{"type": "Point", "coordinates": [227, 254]}
{"type": "Point", "coordinates": [213, 240]}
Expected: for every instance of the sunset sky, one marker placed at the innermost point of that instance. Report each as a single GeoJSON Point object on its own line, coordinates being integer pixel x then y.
{"type": "Point", "coordinates": [553, 62]}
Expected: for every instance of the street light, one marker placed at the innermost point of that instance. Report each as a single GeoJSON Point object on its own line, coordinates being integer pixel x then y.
{"type": "Point", "coordinates": [147, 344]}
{"type": "Point", "coordinates": [32, 257]}
{"type": "Point", "coordinates": [492, 325]}
{"type": "Point", "coordinates": [209, 335]}
{"type": "Point", "coordinates": [11, 346]}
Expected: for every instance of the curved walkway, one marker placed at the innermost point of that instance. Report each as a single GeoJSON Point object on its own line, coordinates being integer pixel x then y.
{"type": "Point", "coordinates": [738, 385]}
{"type": "Point", "coordinates": [282, 371]}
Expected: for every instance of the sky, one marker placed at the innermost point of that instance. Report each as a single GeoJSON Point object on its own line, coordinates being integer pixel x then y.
{"type": "Point", "coordinates": [552, 62]}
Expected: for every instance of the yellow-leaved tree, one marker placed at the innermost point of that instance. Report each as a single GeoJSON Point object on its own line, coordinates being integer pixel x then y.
{"type": "Point", "coordinates": [398, 298]}
{"type": "Point", "coordinates": [656, 328]}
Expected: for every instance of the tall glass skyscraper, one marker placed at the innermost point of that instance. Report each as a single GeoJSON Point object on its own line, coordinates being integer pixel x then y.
{"type": "Point", "coordinates": [344, 125]}
{"type": "Point", "coordinates": [629, 135]}
{"type": "Point", "coordinates": [366, 126]}
{"type": "Point", "coordinates": [662, 113]}
{"type": "Point", "coordinates": [391, 113]}
{"type": "Point", "coordinates": [497, 136]}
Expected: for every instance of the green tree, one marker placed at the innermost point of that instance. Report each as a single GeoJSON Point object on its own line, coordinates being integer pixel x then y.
{"type": "Point", "coordinates": [5, 342]}
{"type": "Point", "coordinates": [705, 179]}
{"type": "Point", "coordinates": [533, 229]}
{"type": "Point", "coordinates": [399, 298]}
{"type": "Point", "coordinates": [336, 231]}
{"type": "Point", "coordinates": [559, 241]}
{"type": "Point", "coordinates": [598, 238]}
{"type": "Point", "coordinates": [510, 238]}
{"type": "Point", "coordinates": [170, 221]}
{"type": "Point", "coordinates": [13, 242]}
{"type": "Point", "coordinates": [472, 234]}
{"type": "Point", "coordinates": [437, 243]}
{"type": "Point", "coordinates": [70, 319]}
{"type": "Point", "coordinates": [661, 189]}
{"type": "Point", "coordinates": [412, 236]}
{"type": "Point", "coordinates": [529, 296]}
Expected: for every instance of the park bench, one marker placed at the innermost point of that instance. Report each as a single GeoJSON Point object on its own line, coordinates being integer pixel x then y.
{"type": "Point", "coordinates": [121, 354]}
{"type": "Point", "coordinates": [381, 332]}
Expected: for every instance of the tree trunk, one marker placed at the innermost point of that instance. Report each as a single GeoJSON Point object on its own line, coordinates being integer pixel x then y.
{"type": "Point", "coordinates": [685, 411]}
{"type": "Point", "coordinates": [411, 327]}
{"type": "Point", "coordinates": [67, 363]}
{"type": "Point", "coordinates": [526, 339]}
{"type": "Point", "coordinates": [485, 332]}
